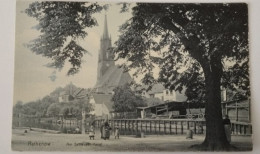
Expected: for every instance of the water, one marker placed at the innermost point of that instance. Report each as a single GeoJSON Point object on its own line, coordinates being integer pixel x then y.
{"type": "Point", "coordinates": [35, 123]}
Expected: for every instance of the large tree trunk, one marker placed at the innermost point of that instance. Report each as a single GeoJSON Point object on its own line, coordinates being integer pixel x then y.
{"type": "Point", "coordinates": [215, 133]}
{"type": "Point", "coordinates": [215, 139]}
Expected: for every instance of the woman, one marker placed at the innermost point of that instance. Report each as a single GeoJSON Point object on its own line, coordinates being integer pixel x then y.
{"type": "Point", "coordinates": [227, 126]}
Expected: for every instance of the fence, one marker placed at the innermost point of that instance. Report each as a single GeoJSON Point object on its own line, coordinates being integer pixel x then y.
{"type": "Point", "coordinates": [169, 126]}
{"type": "Point", "coordinates": [155, 126]}
{"type": "Point", "coordinates": [241, 128]}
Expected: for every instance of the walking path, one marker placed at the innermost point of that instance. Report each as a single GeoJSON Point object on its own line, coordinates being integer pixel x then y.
{"type": "Point", "coordinates": [39, 141]}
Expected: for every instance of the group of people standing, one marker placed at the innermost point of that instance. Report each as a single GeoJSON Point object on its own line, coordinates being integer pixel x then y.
{"type": "Point", "coordinates": [104, 131]}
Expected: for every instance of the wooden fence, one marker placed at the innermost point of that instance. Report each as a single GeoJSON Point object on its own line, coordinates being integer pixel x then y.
{"type": "Point", "coordinates": [241, 128]}
{"type": "Point", "coordinates": [169, 126]}
{"type": "Point", "coordinates": [156, 126]}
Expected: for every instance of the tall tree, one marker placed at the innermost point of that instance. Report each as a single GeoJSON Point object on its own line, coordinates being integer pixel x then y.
{"type": "Point", "coordinates": [61, 24]}
{"type": "Point", "coordinates": [125, 99]}
{"type": "Point", "coordinates": [195, 45]}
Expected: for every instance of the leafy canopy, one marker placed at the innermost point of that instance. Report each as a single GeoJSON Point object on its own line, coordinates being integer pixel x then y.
{"type": "Point", "coordinates": [186, 41]}
{"type": "Point", "coordinates": [125, 99]}
{"type": "Point", "coordinates": [61, 24]}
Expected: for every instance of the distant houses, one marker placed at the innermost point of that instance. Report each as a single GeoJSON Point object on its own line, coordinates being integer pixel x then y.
{"type": "Point", "coordinates": [169, 103]}
{"type": "Point", "coordinates": [71, 92]}
{"type": "Point", "coordinates": [166, 95]}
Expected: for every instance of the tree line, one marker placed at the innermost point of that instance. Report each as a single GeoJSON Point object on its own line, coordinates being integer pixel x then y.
{"type": "Point", "coordinates": [50, 106]}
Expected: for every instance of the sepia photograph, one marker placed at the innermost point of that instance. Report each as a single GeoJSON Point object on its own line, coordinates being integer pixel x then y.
{"type": "Point", "coordinates": [131, 77]}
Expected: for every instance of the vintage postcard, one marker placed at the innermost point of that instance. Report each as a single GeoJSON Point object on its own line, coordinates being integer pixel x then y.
{"type": "Point", "coordinates": [131, 77]}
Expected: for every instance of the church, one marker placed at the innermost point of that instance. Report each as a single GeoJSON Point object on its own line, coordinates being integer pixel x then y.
{"type": "Point", "coordinates": [109, 75]}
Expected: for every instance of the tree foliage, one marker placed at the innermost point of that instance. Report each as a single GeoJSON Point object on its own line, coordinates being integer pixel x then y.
{"type": "Point", "coordinates": [187, 37]}
{"type": "Point", "coordinates": [125, 99]}
{"type": "Point", "coordinates": [50, 105]}
{"type": "Point", "coordinates": [198, 46]}
{"type": "Point", "coordinates": [61, 24]}
{"type": "Point", "coordinates": [71, 109]}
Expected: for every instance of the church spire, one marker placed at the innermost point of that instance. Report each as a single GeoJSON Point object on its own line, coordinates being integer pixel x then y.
{"type": "Point", "coordinates": [105, 33]}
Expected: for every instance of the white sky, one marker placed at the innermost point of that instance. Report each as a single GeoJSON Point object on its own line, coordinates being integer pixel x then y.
{"type": "Point", "coordinates": [31, 78]}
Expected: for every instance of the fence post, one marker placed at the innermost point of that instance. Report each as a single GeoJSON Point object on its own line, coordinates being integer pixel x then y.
{"type": "Point", "coordinates": [145, 126]}
{"type": "Point", "coordinates": [181, 127]}
{"type": "Point", "coordinates": [202, 129]}
{"type": "Point", "coordinates": [170, 127]}
{"type": "Point", "coordinates": [150, 126]}
{"type": "Point", "coordinates": [164, 125]}
{"type": "Point", "coordinates": [155, 126]}
{"type": "Point", "coordinates": [159, 126]}
{"type": "Point", "coordinates": [141, 125]}
{"type": "Point", "coordinates": [194, 127]}
{"type": "Point", "coordinates": [176, 128]}
{"type": "Point", "coordinates": [136, 125]}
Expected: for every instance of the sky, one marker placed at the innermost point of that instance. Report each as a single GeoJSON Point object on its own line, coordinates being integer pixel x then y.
{"type": "Point", "coordinates": [31, 77]}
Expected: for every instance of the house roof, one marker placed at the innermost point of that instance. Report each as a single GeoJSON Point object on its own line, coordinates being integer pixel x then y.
{"type": "Point", "coordinates": [157, 88]}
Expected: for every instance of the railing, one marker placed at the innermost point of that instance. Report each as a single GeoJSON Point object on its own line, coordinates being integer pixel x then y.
{"type": "Point", "coordinates": [169, 126]}
{"type": "Point", "coordinates": [156, 126]}
{"type": "Point", "coordinates": [241, 128]}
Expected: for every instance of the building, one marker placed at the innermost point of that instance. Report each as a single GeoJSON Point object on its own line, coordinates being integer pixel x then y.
{"type": "Point", "coordinates": [237, 110]}
{"type": "Point", "coordinates": [160, 92]}
{"type": "Point", "coordinates": [102, 105]}
{"type": "Point", "coordinates": [71, 92]}
{"type": "Point", "coordinates": [109, 74]}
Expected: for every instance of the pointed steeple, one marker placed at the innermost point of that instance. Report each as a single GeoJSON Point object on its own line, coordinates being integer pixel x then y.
{"type": "Point", "coordinates": [105, 33]}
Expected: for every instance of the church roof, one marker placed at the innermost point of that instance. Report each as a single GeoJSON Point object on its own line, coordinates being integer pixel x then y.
{"type": "Point", "coordinates": [114, 77]}
{"type": "Point", "coordinates": [102, 98]}
{"type": "Point", "coordinates": [105, 33]}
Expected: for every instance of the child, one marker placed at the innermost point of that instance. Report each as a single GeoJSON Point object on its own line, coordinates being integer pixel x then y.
{"type": "Point", "coordinates": [91, 133]}
{"type": "Point", "coordinates": [116, 132]}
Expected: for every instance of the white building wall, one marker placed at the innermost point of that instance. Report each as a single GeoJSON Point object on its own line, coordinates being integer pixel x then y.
{"type": "Point", "coordinates": [92, 101]}
{"type": "Point", "coordinates": [159, 95]}
{"type": "Point", "coordinates": [99, 109]}
{"type": "Point", "coordinates": [169, 95]}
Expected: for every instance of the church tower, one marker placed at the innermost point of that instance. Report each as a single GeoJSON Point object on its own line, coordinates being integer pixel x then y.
{"type": "Point", "coordinates": [105, 57]}
{"type": "Point", "coordinates": [109, 75]}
